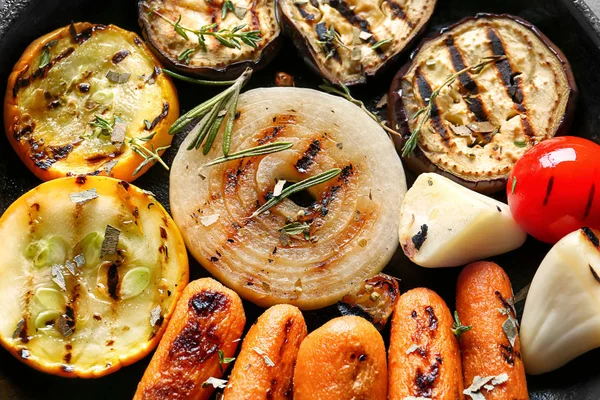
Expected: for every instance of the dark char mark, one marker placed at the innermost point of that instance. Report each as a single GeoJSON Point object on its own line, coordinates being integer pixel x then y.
{"type": "Point", "coordinates": [474, 104]}
{"type": "Point", "coordinates": [306, 15]}
{"type": "Point", "coordinates": [425, 93]}
{"type": "Point", "coordinates": [321, 31]}
{"type": "Point", "coordinates": [590, 201]}
{"type": "Point", "coordinates": [548, 190]}
{"type": "Point", "coordinates": [594, 273]}
{"type": "Point", "coordinates": [112, 280]}
{"type": "Point", "coordinates": [160, 117]}
{"type": "Point", "coordinates": [420, 237]}
{"type": "Point", "coordinates": [120, 56]}
{"type": "Point", "coordinates": [433, 321]}
{"type": "Point", "coordinates": [591, 236]}
{"type": "Point", "coordinates": [425, 381]}
{"type": "Point", "coordinates": [307, 159]}
{"type": "Point", "coordinates": [508, 354]}
{"type": "Point", "coordinates": [344, 9]}
{"type": "Point", "coordinates": [206, 303]}
{"type": "Point", "coordinates": [398, 12]}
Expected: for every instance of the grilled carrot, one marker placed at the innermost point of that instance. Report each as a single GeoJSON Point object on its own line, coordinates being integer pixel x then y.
{"type": "Point", "coordinates": [265, 366]}
{"type": "Point", "coordinates": [424, 357]}
{"type": "Point", "coordinates": [208, 318]}
{"type": "Point", "coordinates": [484, 300]}
{"type": "Point", "coordinates": [343, 359]}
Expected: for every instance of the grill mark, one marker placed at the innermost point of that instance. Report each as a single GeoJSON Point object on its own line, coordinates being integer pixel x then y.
{"type": "Point", "coordinates": [474, 104]}
{"type": "Point", "coordinates": [425, 93]}
{"type": "Point", "coordinates": [398, 12]}
{"type": "Point", "coordinates": [510, 79]}
{"type": "Point", "coordinates": [596, 277]}
{"type": "Point", "coordinates": [344, 9]}
{"type": "Point", "coordinates": [305, 14]}
{"type": "Point", "coordinates": [548, 190]}
{"type": "Point", "coordinates": [304, 163]}
{"type": "Point", "coordinates": [433, 321]}
{"type": "Point", "coordinates": [591, 236]}
{"type": "Point", "coordinates": [590, 201]}
{"type": "Point", "coordinates": [23, 82]}
{"type": "Point", "coordinates": [321, 32]}
{"type": "Point", "coordinates": [120, 56]}
{"type": "Point", "coordinates": [112, 281]}
{"type": "Point", "coordinates": [426, 381]}
{"type": "Point", "coordinates": [270, 133]}
{"type": "Point", "coordinates": [161, 116]}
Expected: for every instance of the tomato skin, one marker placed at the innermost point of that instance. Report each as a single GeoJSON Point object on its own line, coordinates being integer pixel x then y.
{"type": "Point", "coordinates": [555, 191]}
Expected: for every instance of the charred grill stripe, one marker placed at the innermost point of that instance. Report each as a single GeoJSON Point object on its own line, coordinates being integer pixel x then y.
{"type": "Point", "coordinates": [474, 104]}
{"type": "Point", "coordinates": [161, 116]}
{"type": "Point", "coordinates": [594, 273]}
{"type": "Point", "coordinates": [398, 12]}
{"type": "Point", "coordinates": [548, 190]}
{"type": "Point", "coordinates": [590, 201]}
{"type": "Point", "coordinates": [344, 9]}
{"type": "Point", "coordinates": [510, 79]}
{"type": "Point", "coordinates": [304, 163]}
{"type": "Point", "coordinates": [591, 236]}
{"type": "Point", "coordinates": [305, 14]}
{"type": "Point", "coordinates": [425, 93]}
{"type": "Point", "coordinates": [112, 281]}
{"type": "Point", "coordinates": [27, 130]}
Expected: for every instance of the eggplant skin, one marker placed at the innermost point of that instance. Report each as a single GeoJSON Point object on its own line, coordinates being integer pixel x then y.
{"type": "Point", "coordinates": [418, 161]}
{"type": "Point", "coordinates": [168, 45]}
{"type": "Point", "coordinates": [344, 17]}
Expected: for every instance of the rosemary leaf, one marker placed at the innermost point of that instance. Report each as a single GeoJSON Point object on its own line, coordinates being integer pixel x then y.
{"type": "Point", "coordinates": [298, 187]}
{"type": "Point", "coordinates": [196, 81]}
{"type": "Point", "coordinates": [45, 57]}
{"type": "Point", "coordinates": [381, 43]}
{"type": "Point", "coordinates": [212, 134]}
{"type": "Point", "coordinates": [296, 228]}
{"type": "Point", "coordinates": [251, 152]}
{"type": "Point", "coordinates": [179, 29]}
{"type": "Point", "coordinates": [230, 120]}
{"type": "Point", "coordinates": [458, 328]}
{"type": "Point", "coordinates": [227, 6]}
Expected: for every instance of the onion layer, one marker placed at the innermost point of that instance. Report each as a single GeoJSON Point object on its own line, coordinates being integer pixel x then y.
{"type": "Point", "coordinates": [353, 218]}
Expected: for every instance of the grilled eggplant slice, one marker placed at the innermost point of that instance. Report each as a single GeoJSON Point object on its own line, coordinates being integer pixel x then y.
{"type": "Point", "coordinates": [91, 270]}
{"type": "Point", "coordinates": [346, 41]}
{"type": "Point", "coordinates": [83, 98]}
{"type": "Point", "coordinates": [162, 22]}
{"type": "Point", "coordinates": [484, 121]}
{"type": "Point", "coordinates": [351, 220]}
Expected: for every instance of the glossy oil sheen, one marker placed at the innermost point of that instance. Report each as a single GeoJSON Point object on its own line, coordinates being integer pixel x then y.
{"type": "Point", "coordinates": [22, 21]}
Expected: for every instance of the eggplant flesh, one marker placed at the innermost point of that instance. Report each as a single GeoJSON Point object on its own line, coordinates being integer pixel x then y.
{"type": "Point", "coordinates": [216, 60]}
{"type": "Point", "coordinates": [352, 218]}
{"type": "Point", "coordinates": [342, 39]}
{"type": "Point", "coordinates": [484, 121]}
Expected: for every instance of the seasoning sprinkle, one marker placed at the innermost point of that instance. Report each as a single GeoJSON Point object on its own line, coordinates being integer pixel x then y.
{"type": "Point", "coordinates": [279, 187]}
{"type": "Point", "coordinates": [111, 240]}
{"type": "Point", "coordinates": [118, 77]}
{"type": "Point", "coordinates": [268, 361]}
{"type": "Point", "coordinates": [58, 277]}
{"type": "Point", "coordinates": [63, 326]}
{"type": "Point", "coordinates": [18, 329]}
{"type": "Point", "coordinates": [156, 315]}
{"type": "Point", "coordinates": [413, 347]}
{"type": "Point", "coordinates": [79, 260]}
{"type": "Point", "coordinates": [83, 197]}
{"type": "Point", "coordinates": [215, 383]}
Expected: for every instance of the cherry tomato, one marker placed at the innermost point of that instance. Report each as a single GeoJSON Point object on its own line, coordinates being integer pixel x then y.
{"type": "Point", "coordinates": [552, 188]}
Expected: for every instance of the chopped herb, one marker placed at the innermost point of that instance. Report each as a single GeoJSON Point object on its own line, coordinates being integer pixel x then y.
{"type": "Point", "coordinates": [177, 27]}
{"type": "Point", "coordinates": [109, 166]}
{"type": "Point", "coordinates": [298, 187]}
{"type": "Point", "coordinates": [381, 43]}
{"type": "Point", "coordinates": [330, 41]}
{"type": "Point", "coordinates": [111, 240]}
{"type": "Point", "coordinates": [365, 35]}
{"type": "Point", "coordinates": [185, 55]}
{"type": "Point", "coordinates": [45, 57]}
{"type": "Point", "coordinates": [19, 329]}
{"type": "Point", "coordinates": [156, 316]}
{"type": "Point", "coordinates": [224, 360]}
{"type": "Point", "coordinates": [105, 127]}
{"type": "Point", "coordinates": [423, 114]}
{"type": "Point", "coordinates": [297, 228]}
{"type": "Point", "coordinates": [510, 330]}
{"type": "Point", "coordinates": [520, 143]}
{"type": "Point", "coordinates": [240, 12]}
{"type": "Point", "coordinates": [63, 326]}
{"type": "Point", "coordinates": [215, 383]}
{"type": "Point", "coordinates": [522, 294]}
{"type": "Point", "coordinates": [268, 361]}
{"type": "Point", "coordinates": [458, 328]}
{"type": "Point", "coordinates": [488, 383]}
{"type": "Point", "coordinates": [150, 155]}
{"type": "Point", "coordinates": [252, 152]}
{"type": "Point", "coordinates": [70, 265]}
{"type": "Point", "coordinates": [79, 260]}
{"type": "Point", "coordinates": [83, 197]}
{"type": "Point", "coordinates": [118, 133]}
{"type": "Point", "coordinates": [117, 77]}
{"type": "Point", "coordinates": [227, 6]}
{"type": "Point", "coordinates": [514, 185]}
{"type": "Point", "coordinates": [58, 277]}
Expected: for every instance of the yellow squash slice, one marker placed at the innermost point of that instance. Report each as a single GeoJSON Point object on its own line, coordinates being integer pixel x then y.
{"type": "Point", "coordinates": [89, 99]}
{"type": "Point", "coordinates": [91, 272]}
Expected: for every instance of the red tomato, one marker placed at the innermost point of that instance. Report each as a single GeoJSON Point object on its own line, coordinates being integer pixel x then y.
{"type": "Point", "coordinates": [552, 188]}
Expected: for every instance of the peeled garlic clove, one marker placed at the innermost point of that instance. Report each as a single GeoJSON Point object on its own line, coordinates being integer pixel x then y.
{"type": "Point", "coordinates": [50, 299]}
{"type": "Point", "coordinates": [561, 319]}
{"type": "Point", "coordinates": [134, 282]}
{"type": "Point", "coordinates": [46, 318]}
{"type": "Point", "coordinates": [443, 224]}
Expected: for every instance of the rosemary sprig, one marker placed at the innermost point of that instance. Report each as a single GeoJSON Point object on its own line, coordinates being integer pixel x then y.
{"type": "Point", "coordinates": [105, 127]}
{"type": "Point", "coordinates": [331, 41]}
{"type": "Point", "coordinates": [224, 360]}
{"type": "Point", "coordinates": [381, 43]}
{"type": "Point", "coordinates": [232, 37]}
{"type": "Point", "coordinates": [227, 6]}
{"type": "Point", "coordinates": [297, 228]}
{"type": "Point", "coordinates": [424, 113]}
{"type": "Point", "coordinates": [345, 93]}
{"type": "Point", "coordinates": [196, 81]}
{"type": "Point", "coordinates": [150, 155]}
{"type": "Point", "coordinates": [297, 187]}
{"type": "Point", "coordinates": [458, 328]}
{"type": "Point", "coordinates": [251, 152]}
{"type": "Point", "coordinates": [211, 115]}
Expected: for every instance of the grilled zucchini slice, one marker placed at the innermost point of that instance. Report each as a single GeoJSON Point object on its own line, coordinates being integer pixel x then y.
{"type": "Point", "coordinates": [91, 272]}
{"type": "Point", "coordinates": [347, 40]}
{"type": "Point", "coordinates": [485, 120]}
{"type": "Point", "coordinates": [164, 24]}
{"type": "Point", "coordinates": [84, 100]}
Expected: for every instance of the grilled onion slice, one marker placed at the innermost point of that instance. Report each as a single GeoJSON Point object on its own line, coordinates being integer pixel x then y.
{"type": "Point", "coordinates": [78, 95]}
{"type": "Point", "coordinates": [353, 218]}
{"type": "Point", "coordinates": [346, 41]}
{"type": "Point", "coordinates": [217, 60]}
{"type": "Point", "coordinates": [483, 122]}
{"type": "Point", "coordinates": [91, 271]}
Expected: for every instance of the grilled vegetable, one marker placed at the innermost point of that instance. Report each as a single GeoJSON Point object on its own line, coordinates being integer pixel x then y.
{"type": "Point", "coordinates": [491, 349]}
{"type": "Point", "coordinates": [443, 224]}
{"type": "Point", "coordinates": [91, 272]}
{"type": "Point", "coordinates": [373, 300]}
{"type": "Point", "coordinates": [552, 189]}
{"type": "Point", "coordinates": [265, 366]}
{"type": "Point", "coordinates": [479, 95]}
{"type": "Point", "coordinates": [213, 39]}
{"type": "Point", "coordinates": [89, 99]}
{"type": "Point", "coordinates": [424, 358]}
{"type": "Point", "coordinates": [205, 328]}
{"type": "Point", "coordinates": [347, 41]}
{"type": "Point", "coordinates": [343, 359]}
{"type": "Point", "coordinates": [560, 320]}
{"type": "Point", "coordinates": [310, 248]}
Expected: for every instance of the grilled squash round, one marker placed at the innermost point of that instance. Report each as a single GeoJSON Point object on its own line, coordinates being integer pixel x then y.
{"type": "Point", "coordinates": [87, 100]}
{"type": "Point", "coordinates": [521, 91]}
{"type": "Point", "coordinates": [91, 272]}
